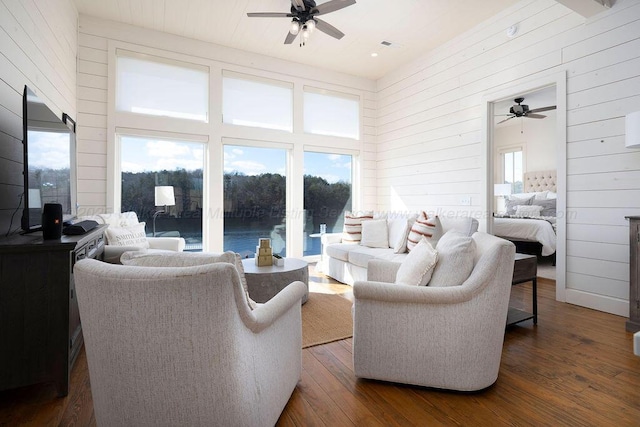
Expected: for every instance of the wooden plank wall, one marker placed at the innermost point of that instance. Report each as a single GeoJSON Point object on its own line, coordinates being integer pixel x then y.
{"type": "Point", "coordinates": [95, 135]}
{"type": "Point", "coordinates": [429, 127]}
{"type": "Point", "coordinates": [38, 46]}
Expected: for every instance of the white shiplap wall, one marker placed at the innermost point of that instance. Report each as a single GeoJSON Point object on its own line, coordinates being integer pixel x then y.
{"type": "Point", "coordinates": [430, 116]}
{"type": "Point", "coordinates": [38, 45]}
{"type": "Point", "coordinates": [98, 40]}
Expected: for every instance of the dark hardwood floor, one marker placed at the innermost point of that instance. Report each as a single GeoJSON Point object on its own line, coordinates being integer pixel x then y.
{"type": "Point", "coordinates": [576, 367]}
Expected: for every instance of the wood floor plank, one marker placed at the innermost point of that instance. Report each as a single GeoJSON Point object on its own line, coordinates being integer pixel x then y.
{"type": "Point", "coordinates": [576, 367]}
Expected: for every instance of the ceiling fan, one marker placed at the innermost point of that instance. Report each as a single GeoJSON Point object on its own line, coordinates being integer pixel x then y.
{"type": "Point", "coordinates": [305, 18]}
{"type": "Point", "coordinates": [522, 110]}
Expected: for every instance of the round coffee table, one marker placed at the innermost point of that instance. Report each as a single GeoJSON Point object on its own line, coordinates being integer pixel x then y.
{"type": "Point", "coordinates": [265, 282]}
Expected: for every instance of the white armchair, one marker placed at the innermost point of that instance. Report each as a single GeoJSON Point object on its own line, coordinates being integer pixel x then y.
{"type": "Point", "coordinates": [443, 337]}
{"type": "Point", "coordinates": [113, 252]}
{"type": "Point", "coordinates": [181, 346]}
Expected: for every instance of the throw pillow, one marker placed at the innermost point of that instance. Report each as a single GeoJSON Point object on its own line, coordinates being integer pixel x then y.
{"type": "Point", "coordinates": [375, 234]}
{"type": "Point", "coordinates": [119, 219]}
{"type": "Point", "coordinates": [548, 206]}
{"type": "Point", "coordinates": [133, 235]}
{"type": "Point", "coordinates": [532, 210]}
{"type": "Point", "coordinates": [399, 228]}
{"type": "Point", "coordinates": [456, 252]}
{"type": "Point", "coordinates": [429, 227]}
{"type": "Point", "coordinates": [417, 267]}
{"type": "Point", "coordinates": [513, 202]}
{"type": "Point", "coordinates": [181, 259]}
{"type": "Point", "coordinates": [352, 231]}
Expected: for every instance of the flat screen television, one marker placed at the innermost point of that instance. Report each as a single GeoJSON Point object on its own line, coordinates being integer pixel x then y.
{"type": "Point", "coordinates": [49, 161]}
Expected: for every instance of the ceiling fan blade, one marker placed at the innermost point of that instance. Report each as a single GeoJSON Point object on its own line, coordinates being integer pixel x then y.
{"type": "Point", "coordinates": [298, 5]}
{"type": "Point", "coordinates": [290, 38]}
{"type": "Point", "coordinates": [540, 110]}
{"type": "Point", "coordinates": [332, 6]}
{"type": "Point", "coordinates": [269, 15]}
{"type": "Point", "coordinates": [535, 116]}
{"type": "Point", "coordinates": [502, 121]}
{"type": "Point", "coordinates": [328, 28]}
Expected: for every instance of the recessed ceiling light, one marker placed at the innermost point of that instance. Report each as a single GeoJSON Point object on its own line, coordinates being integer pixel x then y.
{"type": "Point", "coordinates": [374, 54]}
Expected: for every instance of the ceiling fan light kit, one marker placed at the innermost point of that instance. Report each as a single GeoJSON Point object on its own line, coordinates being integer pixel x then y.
{"type": "Point", "coordinates": [304, 14]}
{"type": "Point", "coordinates": [522, 110]}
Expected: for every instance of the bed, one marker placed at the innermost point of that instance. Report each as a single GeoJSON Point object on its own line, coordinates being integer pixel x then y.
{"type": "Point", "coordinates": [530, 230]}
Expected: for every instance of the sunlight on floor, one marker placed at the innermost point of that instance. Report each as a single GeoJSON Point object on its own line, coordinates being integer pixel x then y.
{"type": "Point", "coordinates": [319, 283]}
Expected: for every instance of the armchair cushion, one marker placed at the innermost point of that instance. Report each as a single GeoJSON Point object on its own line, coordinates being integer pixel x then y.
{"type": "Point", "coordinates": [132, 236]}
{"type": "Point", "coordinates": [417, 267]}
{"type": "Point", "coordinates": [187, 259]}
{"type": "Point", "coordinates": [456, 253]}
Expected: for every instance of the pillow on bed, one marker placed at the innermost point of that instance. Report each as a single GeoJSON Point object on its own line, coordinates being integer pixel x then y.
{"type": "Point", "coordinates": [538, 195]}
{"type": "Point", "coordinates": [548, 206]}
{"type": "Point", "coordinates": [528, 210]}
{"type": "Point", "coordinates": [511, 204]}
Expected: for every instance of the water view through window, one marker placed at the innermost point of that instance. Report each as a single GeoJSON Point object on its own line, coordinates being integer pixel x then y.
{"type": "Point", "coordinates": [149, 162]}
{"type": "Point", "coordinates": [254, 199]}
{"type": "Point", "coordinates": [327, 195]}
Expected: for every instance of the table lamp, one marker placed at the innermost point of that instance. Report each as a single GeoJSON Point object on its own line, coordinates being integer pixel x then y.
{"type": "Point", "coordinates": [163, 197]}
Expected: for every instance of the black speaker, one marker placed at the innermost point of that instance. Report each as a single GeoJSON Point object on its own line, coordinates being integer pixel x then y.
{"type": "Point", "coordinates": [52, 221]}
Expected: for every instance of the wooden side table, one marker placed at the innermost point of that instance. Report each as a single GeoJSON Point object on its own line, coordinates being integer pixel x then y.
{"type": "Point", "coordinates": [265, 282]}
{"type": "Point", "coordinates": [525, 269]}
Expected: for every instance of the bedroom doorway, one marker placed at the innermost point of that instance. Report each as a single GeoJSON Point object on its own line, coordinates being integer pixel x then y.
{"type": "Point", "coordinates": [526, 171]}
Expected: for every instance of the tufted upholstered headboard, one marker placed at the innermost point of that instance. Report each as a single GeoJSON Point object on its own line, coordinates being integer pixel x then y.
{"type": "Point", "coordinates": [540, 181]}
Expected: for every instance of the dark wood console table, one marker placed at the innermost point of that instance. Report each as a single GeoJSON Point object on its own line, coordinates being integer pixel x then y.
{"type": "Point", "coordinates": [525, 269]}
{"type": "Point", "coordinates": [40, 331]}
{"type": "Point", "coordinates": [633, 324]}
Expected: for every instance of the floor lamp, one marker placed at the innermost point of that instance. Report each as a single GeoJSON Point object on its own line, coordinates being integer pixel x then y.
{"type": "Point", "coordinates": [164, 197]}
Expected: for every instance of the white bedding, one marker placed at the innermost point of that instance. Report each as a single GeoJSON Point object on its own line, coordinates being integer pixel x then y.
{"type": "Point", "coordinates": [527, 229]}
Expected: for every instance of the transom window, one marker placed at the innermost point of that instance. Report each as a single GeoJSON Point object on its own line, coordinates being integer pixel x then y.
{"type": "Point", "coordinates": [159, 87]}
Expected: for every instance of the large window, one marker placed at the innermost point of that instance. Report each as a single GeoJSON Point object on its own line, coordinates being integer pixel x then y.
{"type": "Point", "coordinates": [248, 101]}
{"type": "Point", "coordinates": [331, 113]}
{"type": "Point", "coordinates": [162, 88]}
{"type": "Point", "coordinates": [254, 198]}
{"type": "Point", "coordinates": [177, 167]}
{"type": "Point", "coordinates": [327, 195]}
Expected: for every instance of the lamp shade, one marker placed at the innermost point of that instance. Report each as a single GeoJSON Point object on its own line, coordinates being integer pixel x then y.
{"type": "Point", "coordinates": [165, 196]}
{"type": "Point", "coordinates": [501, 189]}
{"type": "Point", "coordinates": [632, 130]}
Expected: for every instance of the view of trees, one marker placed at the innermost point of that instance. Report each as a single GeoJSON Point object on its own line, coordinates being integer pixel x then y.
{"type": "Point", "coordinates": [249, 199]}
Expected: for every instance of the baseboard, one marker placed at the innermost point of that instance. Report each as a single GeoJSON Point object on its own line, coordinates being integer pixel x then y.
{"type": "Point", "coordinates": [598, 302]}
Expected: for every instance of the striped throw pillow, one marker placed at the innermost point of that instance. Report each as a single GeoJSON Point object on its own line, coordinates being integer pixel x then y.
{"type": "Point", "coordinates": [429, 227]}
{"type": "Point", "coordinates": [352, 231]}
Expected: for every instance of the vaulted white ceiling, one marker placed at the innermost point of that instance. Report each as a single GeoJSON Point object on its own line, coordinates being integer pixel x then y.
{"type": "Point", "coordinates": [414, 27]}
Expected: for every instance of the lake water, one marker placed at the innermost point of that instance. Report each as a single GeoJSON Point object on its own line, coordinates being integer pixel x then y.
{"type": "Point", "coordinates": [245, 241]}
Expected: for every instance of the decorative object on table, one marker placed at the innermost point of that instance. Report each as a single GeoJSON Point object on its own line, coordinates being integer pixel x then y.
{"type": "Point", "coordinates": [323, 228]}
{"type": "Point", "coordinates": [264, 253]}
{"type": "Point", "coordinates": [278, 261]}
{"type": "Point", "coordinates": [164, 196]}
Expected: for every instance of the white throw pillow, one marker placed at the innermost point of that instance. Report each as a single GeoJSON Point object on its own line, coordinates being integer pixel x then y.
{"type": "Point", "coordinates": [455, 259]}
{"type": "Point", "coordinates": [352, 229]}
{"type": "Point", "coordinates": [424, 226]}
{"type": "Point", "coordinates": [528, 210]}
{"type": "Point", "coordinates": [133, 235]}
{"type": "Point", "coordinates": [417, 267]}
{"type": "Point", "coordinates": [552, 195]}
{"type": "Point", "coordinates": [120, 219]}
{"type": "Point", "coordinates": [375, 234]}
{"type": "Point", "coordinates": [188, 259]}
{"type": "Point", "coordinates": [399, 228]}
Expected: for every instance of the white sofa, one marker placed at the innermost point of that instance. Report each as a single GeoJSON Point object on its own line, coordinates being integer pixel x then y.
{"type": "Point", "coordinates": [347, 262]}
{"type": "Point", "coordinates": [123, 220]}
